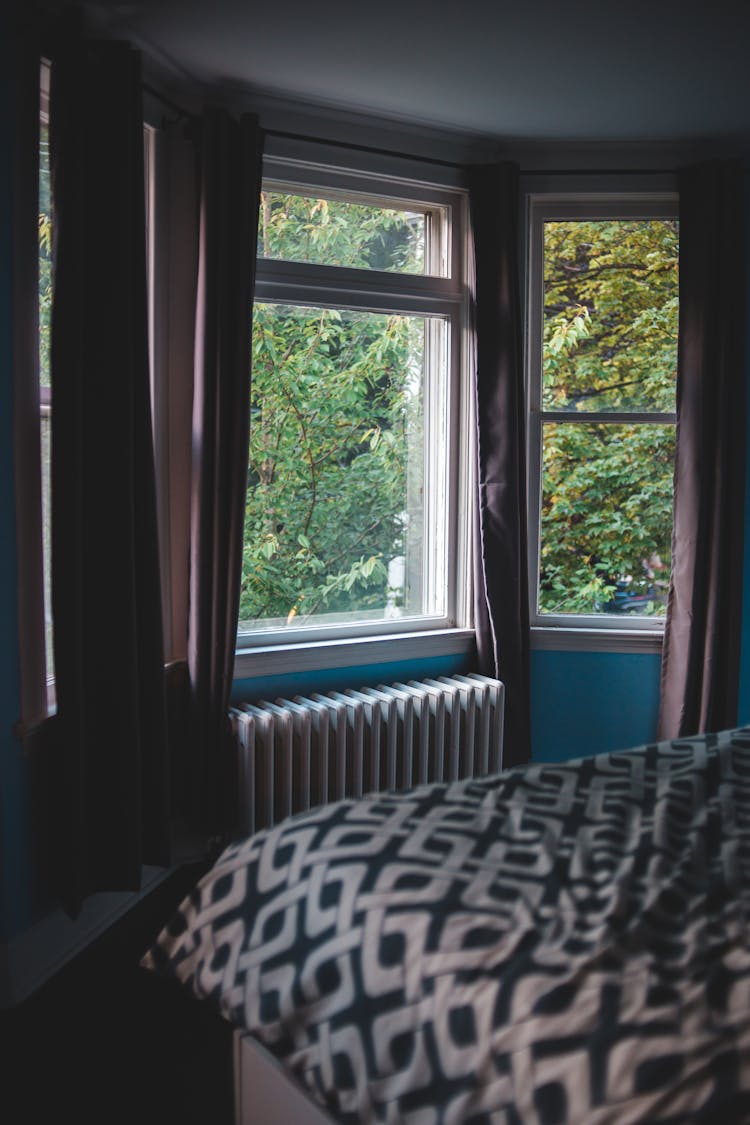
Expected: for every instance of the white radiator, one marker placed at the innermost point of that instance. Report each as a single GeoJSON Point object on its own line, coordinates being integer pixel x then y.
{"type": "Point", "coordinates": [296, 754]}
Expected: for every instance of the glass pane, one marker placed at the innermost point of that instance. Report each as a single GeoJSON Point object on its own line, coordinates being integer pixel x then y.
{"type": "Point", "coordinates": [336, 232]}
{"type": "Point", "coordinates": [610, 315]}
{"type": "Point", "coordinates": [45, 314]}
{"type": "Point", "coordinates": [606, 518]}
{"type": "Point", "coordinates": [335, 502]}
{"type": "Point", "coordinates": [45, 255]}
{"type": "Point", "coordinates": [45, 437]}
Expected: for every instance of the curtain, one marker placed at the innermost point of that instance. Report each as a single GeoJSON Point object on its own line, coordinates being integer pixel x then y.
{"type": "Point", "coordinates": [501, 577]}
{"type": "Point", "coordinates": [700, 664]}
{"type": "Point", "coordinates": [108, 754]}
{"type": "Point", "coordinates": [174, 313]}
{"type": "Point", "coordinates": [22, 76]}
{"type": "Point", "coordinates": [229, 154]}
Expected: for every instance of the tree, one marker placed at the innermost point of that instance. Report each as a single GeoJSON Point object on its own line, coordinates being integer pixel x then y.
{"type": "Point", "coordinates": [334, 475]}
{"type": "Point", "coordinates": [45, 257]}
{"type": "Point", "coordinates": [610, 344]}
{"type": "Point", "coordinates": [335, 412]}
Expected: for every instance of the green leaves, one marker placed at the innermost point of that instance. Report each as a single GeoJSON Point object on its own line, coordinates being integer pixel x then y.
{"type": "Point", "coordinates": [335, 412]}
{"type": "Point", "coordinates": [606, 510]}
{"type": "Point", "coordinates": [620, 279]}
{"type": "Point", "coordinates": [338, 232]}
{"type": "Point", "coordinates": [610, 335]}
{"type": "Point", "coordinates": [567, 331]}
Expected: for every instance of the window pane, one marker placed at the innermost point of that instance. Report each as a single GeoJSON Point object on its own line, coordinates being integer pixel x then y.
{"type": "Point", "coordinates": [336, 232]}
{"type": "Point", "coordinates": [606, 518]}
{"type": "Point", "coordinates": [45, 315]}
{"type": "Point", "coordinates": [610, 315]}
{"type": "Point", "coordinates": [336, 487]}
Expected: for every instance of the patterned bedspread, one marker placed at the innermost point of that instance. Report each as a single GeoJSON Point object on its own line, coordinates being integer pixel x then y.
{"type": "Point", "coordinates": [559, 943]}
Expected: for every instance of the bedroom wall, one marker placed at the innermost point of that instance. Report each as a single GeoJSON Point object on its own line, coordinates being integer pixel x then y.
{"type": "Point", "coordinates": [338, 679]}
{"type": "Point", "coordinates": [585, 703]}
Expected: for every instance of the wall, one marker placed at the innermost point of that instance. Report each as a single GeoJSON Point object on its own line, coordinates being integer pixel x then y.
{"type": "Point", "coordinates": [338, 679]}
{"type": "Point", "coordinates": [591, 702]}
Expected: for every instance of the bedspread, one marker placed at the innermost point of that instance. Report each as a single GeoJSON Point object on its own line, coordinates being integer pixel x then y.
{"type": "Point", "coordinates": [555, 943]}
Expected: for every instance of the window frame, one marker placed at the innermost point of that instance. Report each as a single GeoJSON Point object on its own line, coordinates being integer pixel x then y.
{"type": "Point", "coordinates": [36, 700]}
{"type": "Point", "coordinates": [338, 173]}
{"type": "Point", "coordinates": [45, 414]}
{"type": "Point", "coordinates": [594, 200]}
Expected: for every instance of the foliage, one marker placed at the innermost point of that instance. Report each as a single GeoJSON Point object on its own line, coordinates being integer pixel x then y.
{"type": "Point", "coordinates": [45, 259]}
{"type": "Point", "coordinates": [336, 409]}
{"type": "Point", "coordinates": [45, 380]}
{"type": "Point", "coordinates": [334, 476]}
{"type": "Point", "coordinates": [610, 343]}
{"type": "Point", "coordinates": [336, 232]}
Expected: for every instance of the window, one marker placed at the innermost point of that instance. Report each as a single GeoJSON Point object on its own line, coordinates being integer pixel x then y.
{"type": "Point", "coordinates": [355, 524]}
{"type": "Point", "coordinates": [603, 303]}
{"type": "Point", "coordinates": [45, 382]}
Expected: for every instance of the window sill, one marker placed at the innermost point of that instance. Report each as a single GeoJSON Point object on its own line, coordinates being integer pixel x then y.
{"type": "Point", "coordinates": [271, 660]}
{"type": "Point", "coordinates": [561, 639]}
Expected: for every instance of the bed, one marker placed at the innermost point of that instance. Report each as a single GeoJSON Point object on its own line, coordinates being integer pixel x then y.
{"type": "Point", "coordinates": [553, 944]}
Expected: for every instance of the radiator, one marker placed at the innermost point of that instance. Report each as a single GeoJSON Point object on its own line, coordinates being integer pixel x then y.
{"type": "Point", "coordinates": [296, 754]}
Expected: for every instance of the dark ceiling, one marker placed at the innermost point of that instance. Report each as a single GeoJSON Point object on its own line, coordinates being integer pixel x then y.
{"type": "Point", "coordinates": [537, 69]}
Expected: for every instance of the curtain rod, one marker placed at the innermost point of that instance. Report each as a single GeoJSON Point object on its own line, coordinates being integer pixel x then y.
{"type": "Point", "coordinates": [190, 115]}
{"type": "Point", "coordinates": [378, 151]}
{"type": "Point", "coordinates": [460, 165]}
{"type": "Point", "coordinates": [178, 109]}
{"type": "Point", "coordinates": [375, 149]}
{"type": "Point", "coordinates": [599, 171]}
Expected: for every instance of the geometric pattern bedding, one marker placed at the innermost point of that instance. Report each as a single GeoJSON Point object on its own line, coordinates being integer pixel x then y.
{"type": "Point", "coordinates": [552, 944]}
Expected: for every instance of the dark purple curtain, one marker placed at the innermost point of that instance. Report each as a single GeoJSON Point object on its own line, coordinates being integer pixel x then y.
{"type": "Point", "coordinates": [501, 577]}
{"type": "Point", "coordinates": [229, 177]}
{"type": "Point", "coordinates": [700, 664]}
{"type": "Point", "coordinates": [108, 752]}
{"type": "Point", "coordinates": [22, 78]}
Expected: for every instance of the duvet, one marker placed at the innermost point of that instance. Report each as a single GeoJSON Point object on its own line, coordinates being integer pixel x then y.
{"type": "Point", "coordinates": [551, 944]}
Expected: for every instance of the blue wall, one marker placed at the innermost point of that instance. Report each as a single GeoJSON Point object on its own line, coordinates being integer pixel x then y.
{"type": "Point", "coordinates": [586, 703]}
{"type": "Point", "coordinates": [338, 679]}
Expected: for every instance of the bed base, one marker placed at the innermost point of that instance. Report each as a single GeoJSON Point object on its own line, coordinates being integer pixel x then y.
{"type": "Point", "coordinates": [264, 1093]}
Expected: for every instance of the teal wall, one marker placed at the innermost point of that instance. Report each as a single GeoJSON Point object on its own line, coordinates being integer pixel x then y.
{"type": "Point", "coordinates": [585, 703]}
{"type": "Point", "coordinates": [338, 679]}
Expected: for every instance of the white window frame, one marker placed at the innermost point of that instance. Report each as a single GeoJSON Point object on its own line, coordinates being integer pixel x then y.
{"type": "Point", "coordinates": [45, 412]}
{"type": "Point", "coordinates": [571, 632]}
{"type": "Point", "coordinates": [307, 168]}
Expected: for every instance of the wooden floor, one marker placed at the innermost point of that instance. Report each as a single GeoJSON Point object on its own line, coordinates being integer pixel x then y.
{"type": "Point", "coordinates": [106, 1042]}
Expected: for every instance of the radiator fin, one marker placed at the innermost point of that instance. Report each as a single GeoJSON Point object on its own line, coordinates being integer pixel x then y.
{"type": "Point", "coordinates": [296, 754]}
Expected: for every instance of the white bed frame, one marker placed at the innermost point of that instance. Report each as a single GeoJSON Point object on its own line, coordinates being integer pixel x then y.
{"type": "Point", "coordinates": [264, 1093]}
